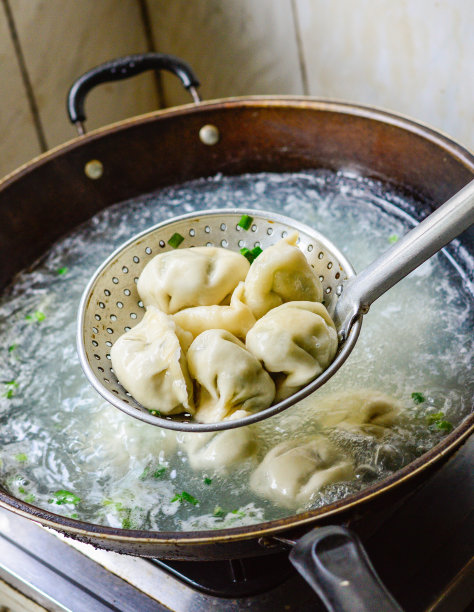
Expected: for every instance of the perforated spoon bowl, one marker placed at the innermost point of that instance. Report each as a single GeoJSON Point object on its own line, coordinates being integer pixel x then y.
{"type": "Point", "coordinates": [110, 304]}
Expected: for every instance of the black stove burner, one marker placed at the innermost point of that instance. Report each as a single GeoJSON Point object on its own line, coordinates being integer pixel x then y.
{"type": "Point", "coordinates": [235, 578]}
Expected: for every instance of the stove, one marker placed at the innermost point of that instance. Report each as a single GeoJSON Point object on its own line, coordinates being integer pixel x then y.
{"type": "Point", "coordinates": [423, 551]}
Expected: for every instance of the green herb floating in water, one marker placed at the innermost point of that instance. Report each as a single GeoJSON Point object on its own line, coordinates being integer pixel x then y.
{"type": "Point", "coordinates": [155, 413]}
{"type": "Point", "coordinates": [393, 238]}
{"type": "Point", "coordinates": [251, 254]}
{"type": "Point", "coordinates": [22, 458]}
{"type": "Point", "coordinates": [185, 496]}
{"type": "Point", "coordinates": [147, 472]}
{"type": "Point", "coordinates": [62, 271]}
{"type": "Point", "coordinates": [245, 222]}
{"type": "Point", "coordinates": [418, 398]}
{"type": "Point", "coordinates": [37, 316]}
{"type": "Point", "coordinates": [11, 386]}
{"type": "Point", "coordinates": [175, 240]}
{"type": "Point", "coordinates": [207, 481]}
{"type": "Point", "coordinates": [437, 420]}
{"type": "Point", "coordinates": [219, 512]}
{"type": "Point", "coordinates": [239, 513]}
{"type": "Point", "coordinates": [12, 347]}
{"type": "Point", "coordinates": [64, 497]}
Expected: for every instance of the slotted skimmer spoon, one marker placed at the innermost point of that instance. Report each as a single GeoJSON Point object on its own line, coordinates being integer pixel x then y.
{"type": "Point", "coordinates": [111, 305]}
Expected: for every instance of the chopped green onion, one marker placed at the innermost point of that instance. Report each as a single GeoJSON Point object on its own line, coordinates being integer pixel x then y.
{"type": "Point", "coordinates": [156, 474]}
{"type": "Point", "coordinates": [418, 398]}
{"type": "Point", "coordinates": [218, 512]}
{"type": "Point", "coordinates": [393, 238]}
{"type": "Point", "coordinates": [245, 222]}
{"type": "Point", "coordinates": [30, 498]}
{"type": "Point", "coordinates": [10, 385]}
{"type": "Point", "coordinates": [12, 347]}
{"type": "Point", "coordinates": [175, 240]}
{"type": "Point", "coordinates": [207, 481]}
{"type": "Point", "coordinates": [438, 421]}
{"type": "Point", "coordinates": [126, 523]}
{"type": "Point", "coordinates": [64, 497]}
{"type": "Point", "coordinates": [72, 515]}
{"type": "Point", "coordinates": [185, 496]}
{"type": "Point", "coordinates": [21, 490]}
{"type": "Point", "coordinates": [21, 457]}
{"type": "Point", "coordinates": [434, 418]}
{"type": "Point", "coordinates": [144, 474]}
{"type": "Point", "coordinates": [62, 271]}
{"type": "Point", "coordinates": [444, 425]}
{"type": "Point", "coordinates": [155, 413]}
{"type": "Point", "coordinates": [238, 512]}
{"type": "Point", "coordinates": [247, 254]}
{"type": "Point", "coordinates": [251, 255]}
{"type": "Point", "coordinates": [36, 316]}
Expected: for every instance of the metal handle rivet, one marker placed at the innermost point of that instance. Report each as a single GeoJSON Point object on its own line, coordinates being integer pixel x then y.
{"type": "Point", "coordinates": [94, 169]}
{"type": "Point", "coordinates": [209, 135]}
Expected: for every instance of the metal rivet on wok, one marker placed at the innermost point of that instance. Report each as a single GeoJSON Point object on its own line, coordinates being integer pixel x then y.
{"type": "Point", "coordinates": [94, 169]}
{"type": "Point", "coordinates": [209, 135]}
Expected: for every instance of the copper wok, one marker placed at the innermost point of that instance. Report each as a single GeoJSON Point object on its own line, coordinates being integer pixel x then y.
{"type": "Point", "coordinates": [55, 192]}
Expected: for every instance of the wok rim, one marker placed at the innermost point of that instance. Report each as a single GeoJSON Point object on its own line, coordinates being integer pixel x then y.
{"type": "Point", "coordinates": [399, 120]}
{"type": "Point", "coordinates": [84, 530]}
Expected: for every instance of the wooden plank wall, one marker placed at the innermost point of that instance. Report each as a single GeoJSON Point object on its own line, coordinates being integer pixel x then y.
{"type": "Point", "coordinates": [411, 57]}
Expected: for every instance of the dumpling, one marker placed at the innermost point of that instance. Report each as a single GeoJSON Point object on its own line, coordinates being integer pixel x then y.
{"type": "Point", "coordinates": [198, 276]}
{"type": "Point", "coordinates": [294, 471]}
{"type": "Point", "coordinates": [230, 377]}
{"type": "Point", "coordinates": [219, 450]}
{"type": "Point", "coordinates": [281, 273]}
{"type": "Point", "coordinates": [295, 341]}
{"type": "Point", "coordinates": [150, 362]}
{"type": "Point", "coordinates": [237, 318]}
{"type": "Point", "coordinates": [365, 410]}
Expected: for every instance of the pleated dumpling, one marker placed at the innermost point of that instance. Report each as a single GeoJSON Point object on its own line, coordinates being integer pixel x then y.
{"type": "Point", "coordinates": [230, 378]}
{"type": "Point", "coordinates": [366, 410]}
{"type": "Point", "coordinates": [217, 451]}
{"type": "Point", "coordinates": [293, 472]}
{"type": "Point", "coordinates": [237, 318]}
{"type": "Point", "coordinates": [150, 362]}
{"type": "Point", "coordinates": [281, 273]}
{"type": "Point", "coordinates": [197, 276]}
{"type": "Point", "coordinates": [296, 342]}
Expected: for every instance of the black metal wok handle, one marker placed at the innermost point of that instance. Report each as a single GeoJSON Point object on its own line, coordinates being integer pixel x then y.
{"type": "Point", "coordinates": [123, 68]}
{"type": "Point", "coordinates": [334, 563]}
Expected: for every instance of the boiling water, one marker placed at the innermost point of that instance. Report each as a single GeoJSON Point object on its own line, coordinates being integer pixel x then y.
{"type": "Point", "coordinates": [64, 449]}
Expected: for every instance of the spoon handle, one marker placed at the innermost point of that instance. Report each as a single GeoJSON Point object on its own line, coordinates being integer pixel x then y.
{"type": "Point", "coordinates": [418, 245]}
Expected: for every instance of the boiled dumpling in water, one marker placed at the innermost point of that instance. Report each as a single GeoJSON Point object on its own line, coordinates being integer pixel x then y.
{"type": "Point", "coordinates": [365, 410]}
{"type": "Point", "coordinates": [230, 378]}
{"type": "Point", "coordinates": [293, 472]}
{"type": "Point", "coordinates": [219, 450]}
{"type": "Point", "coordinates": [198, 276]}
{"type": "Point", "coordinates": [237, 318]}
{"type": "Point", "coordinates": [296, 342]}
{"type": "Point", "coordinates": [281, 273]}
{"type": "Point", "coordinates": [150, 362]}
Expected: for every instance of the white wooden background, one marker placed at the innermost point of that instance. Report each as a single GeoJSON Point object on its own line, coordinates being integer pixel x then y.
{"type": "Point", "coordinates": [414, 57]}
